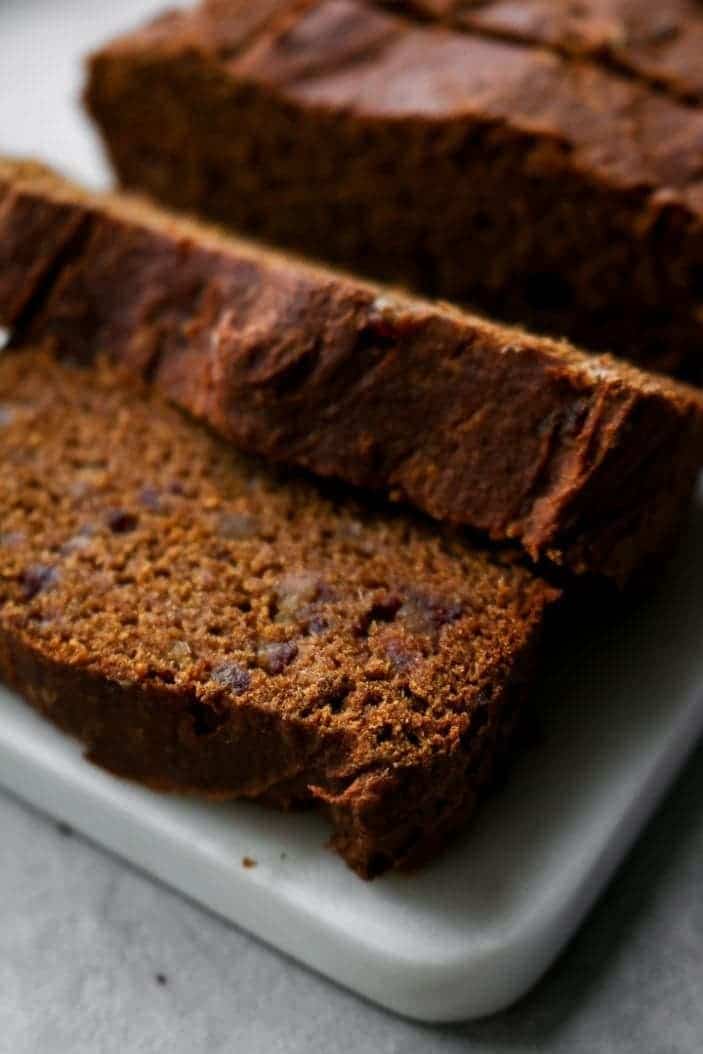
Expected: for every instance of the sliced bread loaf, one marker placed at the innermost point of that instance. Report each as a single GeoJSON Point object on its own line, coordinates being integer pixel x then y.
{"type": "Point", "coordinates": [541, 187]}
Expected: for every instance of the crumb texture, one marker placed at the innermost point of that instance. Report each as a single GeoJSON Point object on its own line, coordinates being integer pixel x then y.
{"type": "Point", "coordinates": [205, 625]}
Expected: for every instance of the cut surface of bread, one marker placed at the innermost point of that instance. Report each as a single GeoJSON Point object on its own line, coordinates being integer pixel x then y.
{"type": "Point", "coordinates": [204, 625]}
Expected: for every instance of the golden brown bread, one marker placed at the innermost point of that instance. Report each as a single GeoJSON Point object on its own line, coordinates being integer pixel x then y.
{"type": "Point", "coordinates": [205, 626]}
{"type": "Point", "coordinates": [543, 188]}
{"type": "Point", "coordinates": [584, 461]}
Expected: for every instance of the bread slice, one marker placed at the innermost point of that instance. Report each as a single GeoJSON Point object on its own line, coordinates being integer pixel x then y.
{"type": "Point", "coordinates": [558, 193]}
{"type": "Point", "coordinates": [205, 626]}
{"type": "Point", "coordinates": [583, 461]}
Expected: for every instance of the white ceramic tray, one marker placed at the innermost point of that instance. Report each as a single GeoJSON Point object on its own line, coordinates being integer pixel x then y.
{"type": "Point", "coordinates": [472, 932]}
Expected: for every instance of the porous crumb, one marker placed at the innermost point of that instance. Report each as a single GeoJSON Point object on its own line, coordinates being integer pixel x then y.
{"type": "Point", "coordinates": [269, 659]}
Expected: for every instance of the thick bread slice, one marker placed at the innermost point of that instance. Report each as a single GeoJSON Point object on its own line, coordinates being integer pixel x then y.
{"type": "Point", "coordinates": [585, 461]}
{"type": "Point", "coordinates": [205, 626]}
{"type": "Point", "coordinates": [537, 183]}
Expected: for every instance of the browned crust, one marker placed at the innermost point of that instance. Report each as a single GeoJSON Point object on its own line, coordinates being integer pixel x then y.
{"type": "Point", "coordinates": [548, 190]}
{"type": "Point", "coordinates": [388, 818]}
{"type": "Point", "coordinates": [584, 461]}
{"type": "Point", "coordinates": [657, 43]}
{"type": "Point", "coordinates": [204, 627]}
